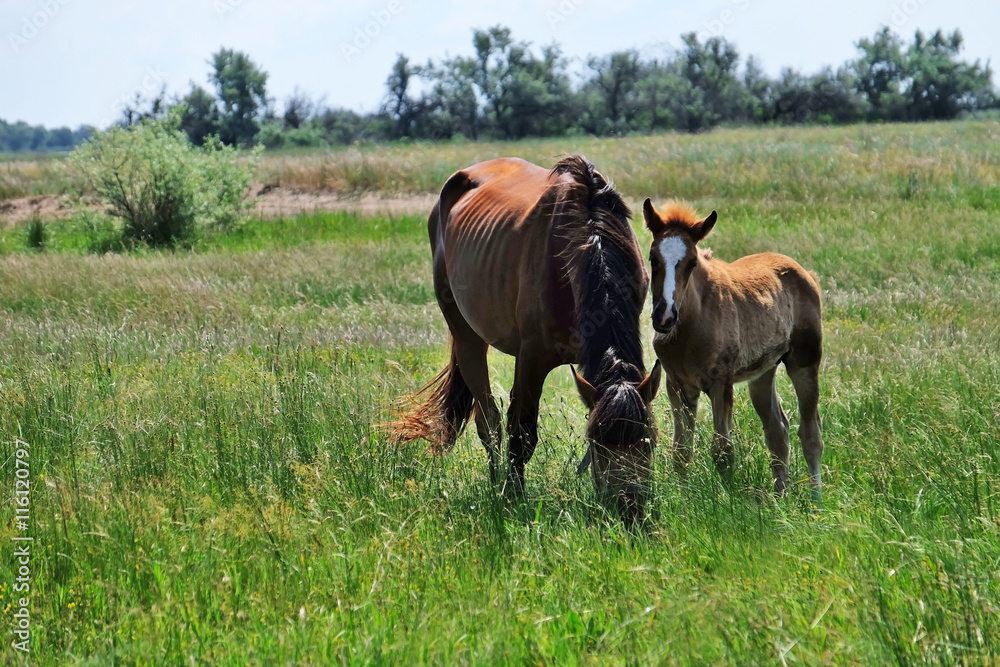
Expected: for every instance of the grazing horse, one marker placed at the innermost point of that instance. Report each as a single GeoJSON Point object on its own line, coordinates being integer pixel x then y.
{"type": "Point", "coordinates": [542, 265]}
{"type": "Point", "coordinates": [718, 323]}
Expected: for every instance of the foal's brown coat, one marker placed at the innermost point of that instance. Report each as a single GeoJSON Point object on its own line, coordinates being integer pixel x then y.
{"type": "Point", "coordinates": [542, 265]}
{"type": "Point", "coordinates": [727, 323]}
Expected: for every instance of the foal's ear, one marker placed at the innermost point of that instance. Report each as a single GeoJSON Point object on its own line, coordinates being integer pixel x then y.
{"type": "Point", "coordinates": [587, 391]}
{"type": "Point", "coordinates": [649, 386]}
{"type": "Point", "coordinates": [653, 221]}
{"type": "Point", "coordinates": [704, 228]}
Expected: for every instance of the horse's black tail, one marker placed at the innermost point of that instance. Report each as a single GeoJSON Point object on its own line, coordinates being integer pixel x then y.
{"type": "Point", "coordinates": [443, 414]}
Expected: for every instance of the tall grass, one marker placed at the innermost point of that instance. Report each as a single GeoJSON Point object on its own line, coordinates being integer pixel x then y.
{"type": "Point", "coordinates": [839, 164]}
{"type": "Point", "coordinates": [38, 176]}
{"type": "Point", "coordinates": [211, 486]}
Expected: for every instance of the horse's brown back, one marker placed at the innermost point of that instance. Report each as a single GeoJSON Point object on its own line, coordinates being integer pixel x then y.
{"type": "Point", "coordinates": [494, 240]}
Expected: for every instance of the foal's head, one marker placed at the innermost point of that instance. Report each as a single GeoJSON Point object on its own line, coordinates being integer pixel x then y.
{"type": "Point", "coordinates": [673, 258]}
{"type": "Point", "coordinates": [622, 434]}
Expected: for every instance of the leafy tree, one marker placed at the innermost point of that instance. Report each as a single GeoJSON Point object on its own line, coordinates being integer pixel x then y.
{"type": "Point", "coordinates": [538, 95]}
{"type": "Point", "coordinates": [241, 88]}
{"type": "Point", "coordinates": [654, 89]}
{"type": "Point", "coordinates": [400, 107]}
{"type": "Point", "coordinates": [38, 139]}
{"type": "Point", "coordinates": [939, 86]}
{"type": "Point", "coordinates": [20, 136]}
{"type": "Point", "coordinates": [199, 116]}
{"type": "Point", "coordinates": [825, 97]}
{"type": "Point", "coordinates": [612, 93]}
{"type": "Point", "coordinates": [523, 94]}
{"type": "Point", "coordinates": [759, 92]}
{"type": "Point", "coordinates": [705, 86]}
{"type": "Point", "coordinates": [879, 74]}
{"type": "Point", "coordinates": [143, 109]}
{"type": "Point", "coordinates": [298, 109]}
{"type": "Point", "coordinates": [60, 138]}
{"type": "Point", "coordinates": [342, 126]}
{"type": "Point", "coordinates": [14, 137]}
{"type": "Point", "coordinates": [452, 106]}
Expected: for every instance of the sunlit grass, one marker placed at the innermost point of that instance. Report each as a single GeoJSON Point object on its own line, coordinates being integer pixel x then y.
{"type": "Point", "coordinates": [211, 485]}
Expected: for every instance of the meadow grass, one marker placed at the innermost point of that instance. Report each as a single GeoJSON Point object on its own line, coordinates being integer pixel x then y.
{"type": "Point", "coordinates": [24, 176]}
{"type": "Point", "coordinates": [211, 485]}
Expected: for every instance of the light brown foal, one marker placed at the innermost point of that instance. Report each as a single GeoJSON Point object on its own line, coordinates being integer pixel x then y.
{"type": "Point", "coordinates": [718, 323]}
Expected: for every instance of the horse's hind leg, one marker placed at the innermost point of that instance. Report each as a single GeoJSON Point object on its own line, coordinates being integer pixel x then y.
{"type": "Point", "coordinates": [806, 382]}
{"type": "Point", "coordinates": [470, 351]}
{"type": "Point", "coordinates": [684, 407]}
{"type": "Point", "coordinates": [472, 362]}
{"type": "Point", "coordinates": [530, 371]}
{"type": "Point", "coordinates": [768, 406]}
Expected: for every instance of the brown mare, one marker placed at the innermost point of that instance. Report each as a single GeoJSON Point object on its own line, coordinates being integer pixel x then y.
{"type": "Point", "coordinates": [542, 265]}
{"type": "Point", "coordinates": [718, 323]}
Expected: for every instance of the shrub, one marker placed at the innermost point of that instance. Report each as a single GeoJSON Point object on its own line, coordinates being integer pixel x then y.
{"type": "Point", "coordinates": [36, 234]}
{"type": "Point", "coordinates": [159, 187]}
{"type": "Point", "coordinates": [271, 136]}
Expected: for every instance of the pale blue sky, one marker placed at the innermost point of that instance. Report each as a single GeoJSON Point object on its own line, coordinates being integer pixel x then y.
{"type": "Point", "coordinates": [67, 62]}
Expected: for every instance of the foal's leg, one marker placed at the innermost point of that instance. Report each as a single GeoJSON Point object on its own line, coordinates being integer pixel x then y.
{"type": "Point", "coordinates": [530, 371]}
{"type": "Point", "coordinates": [684, 408]}
{"type": "Point", "coordinates": [722, 416]}
{"type": "Point", "coordinates": [806, 382]}
{"type": "Point", "coordinates": [768, 406]}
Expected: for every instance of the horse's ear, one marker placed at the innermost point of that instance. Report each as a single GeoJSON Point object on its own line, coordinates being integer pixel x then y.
{"type": "Point", "coordinates": [704, 228]}
{"type": "Point", "coordinates": [649, 386]}
{"type": "Point", "coordinates": [653, 221]}
{"type": "Point", "coordinates": [587, 391]}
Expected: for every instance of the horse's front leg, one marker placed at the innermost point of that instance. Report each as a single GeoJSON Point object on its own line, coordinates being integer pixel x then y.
{"type": "Point", "coordinates": [723, 455]}
{"type": "Point", "coordinates": [530, 372]}
{"type": "Point", "coordinates": [684, 408]}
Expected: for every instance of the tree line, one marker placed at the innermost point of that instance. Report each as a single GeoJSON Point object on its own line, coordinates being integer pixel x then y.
{"type": "Point", "coordinates": [508, 90]}
{"type": "Point", "coordinates": [21, 137]}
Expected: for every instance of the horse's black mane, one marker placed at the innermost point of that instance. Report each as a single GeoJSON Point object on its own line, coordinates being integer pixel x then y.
{"type": "Point", "coordinates": [605, 259]}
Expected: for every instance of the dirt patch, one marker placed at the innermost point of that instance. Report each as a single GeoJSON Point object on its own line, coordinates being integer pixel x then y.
{"type": "Point", "coordinates": [269, 202]}
{"type": "Point", "coordinates": [281, 201]}
{"type": "Point", "coordinates": [44, 207]}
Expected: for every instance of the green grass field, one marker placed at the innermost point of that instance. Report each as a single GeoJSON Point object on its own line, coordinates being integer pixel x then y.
{"type": "Point", "coordinates": [210, 484]}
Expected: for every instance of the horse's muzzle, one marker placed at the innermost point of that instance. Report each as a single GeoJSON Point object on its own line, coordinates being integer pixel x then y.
{"type": "Point", "coordinates": [667, 327]}
{"type": "Point", "coordinates": [664, 322]}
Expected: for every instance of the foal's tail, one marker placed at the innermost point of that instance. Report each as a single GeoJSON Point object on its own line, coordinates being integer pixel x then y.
{"type": "Point", "coordinates": [444, 412]}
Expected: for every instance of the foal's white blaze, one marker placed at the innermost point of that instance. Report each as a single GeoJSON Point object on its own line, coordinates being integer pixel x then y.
{"type": "Point", "coordinates": [672, 250]}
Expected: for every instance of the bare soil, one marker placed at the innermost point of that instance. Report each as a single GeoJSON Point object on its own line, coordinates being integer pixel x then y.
{"type": "Point", "coordinates": [44, 207]}
{"type": "Point", "coordinates": [280, 201]}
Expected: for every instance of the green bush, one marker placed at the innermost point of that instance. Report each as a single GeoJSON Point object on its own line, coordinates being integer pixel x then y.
{"type": "Point", "coordinates": [271, 136]}
{"type": "Point", "coordinates": [158, 187]}
{"type": "Point", "coordinates": [36, 234]}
